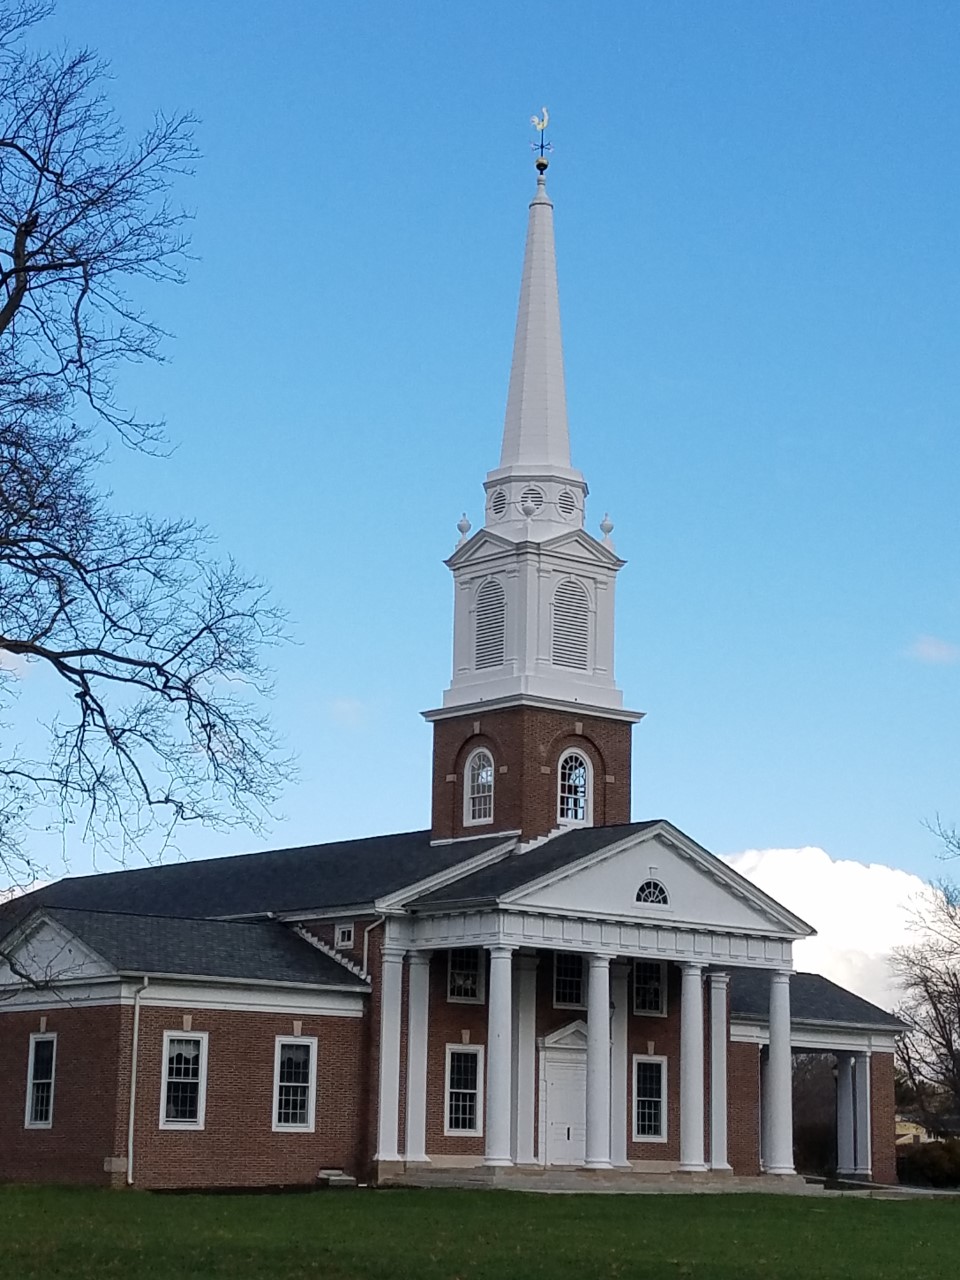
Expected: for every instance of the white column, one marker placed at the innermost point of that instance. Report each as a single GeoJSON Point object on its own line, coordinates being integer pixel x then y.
{"type": "Point", "coordinates": [499, 1056]}
{"type": "Point", "coordinates": [418, 1012]}
{"type": "Point", "coordinates": [719, 1037]}
{"type": "Point", "coordinates": [524, 1057]}
{"type": "Point", "coordinates": [863, 1162]}
{"type": "Point", "coordinates": [846, 1150]}
{"type": "Point", "coordinates": [598, 1062]}
{"type": "Point", "coordinates": [619, 1069]}
{"type": "Point", "coordinates": [779, 1095]}
{"type": "Point", "coordinates": [388, 1115]}
{"type": "Point", "coordinates": [691, 1068]}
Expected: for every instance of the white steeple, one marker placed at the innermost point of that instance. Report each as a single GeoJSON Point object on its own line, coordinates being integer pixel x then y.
{"type": "Point", "coordinates": [533, 613]}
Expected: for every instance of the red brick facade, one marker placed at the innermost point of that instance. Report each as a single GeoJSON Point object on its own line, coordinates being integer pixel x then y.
{"type": "Point", "coordinates": [526, 743]}
{"type": "Point", "coordinates": [883, 1117]}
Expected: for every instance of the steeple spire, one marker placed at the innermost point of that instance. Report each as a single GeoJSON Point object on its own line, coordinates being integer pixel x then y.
{"type": "Point", "coordinates": [535, 430]}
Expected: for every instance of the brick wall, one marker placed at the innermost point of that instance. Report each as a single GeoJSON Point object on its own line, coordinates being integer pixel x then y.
{"type": "Point", "coordinates": [86, 1121]}
{"type": "Point", "coordinates": [883, 1117]}
{"type": "Point", "coordinates": [526, 744]}
{"type": "Point", "coordinates": [237, 1146]}
{"type": "Point", "coordinates": [743, 1114]}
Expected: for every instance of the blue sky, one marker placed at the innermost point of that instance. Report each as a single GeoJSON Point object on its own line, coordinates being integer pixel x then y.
{"type": "Point", "coordinates": [757, 211]}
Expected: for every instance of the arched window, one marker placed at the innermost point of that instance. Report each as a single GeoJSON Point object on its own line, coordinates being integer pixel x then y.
{"type": "Point", "coordinates": [652, 891]}
{"type": "Point", "coordinates": [571, 626]}
{"type": "Point", "coordinates": [575, 790]}
{"type": "Point", "coordinates": [478, 789]}
{"type": "Point", "coordinates": [491, 624]}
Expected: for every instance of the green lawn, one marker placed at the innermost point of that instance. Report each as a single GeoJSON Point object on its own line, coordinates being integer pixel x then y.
{"type": "Point", "coordinates": [472, 1235]}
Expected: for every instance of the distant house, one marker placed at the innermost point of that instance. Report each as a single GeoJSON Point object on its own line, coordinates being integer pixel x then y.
{"type": "Point", "coordinates": [535, 983]}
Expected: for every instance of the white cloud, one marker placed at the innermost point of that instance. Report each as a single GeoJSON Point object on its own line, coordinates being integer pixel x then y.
{"type": "Point", "coordinates": [934, 651]}
{"type": "Point", "coordinates": [860, 911]}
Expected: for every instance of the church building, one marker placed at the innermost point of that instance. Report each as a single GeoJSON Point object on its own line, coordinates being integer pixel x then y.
{"type": "Point", "coordinates": [538, 986]}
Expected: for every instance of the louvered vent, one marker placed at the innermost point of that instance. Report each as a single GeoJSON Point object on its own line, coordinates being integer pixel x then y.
{"type": "Point", "coordinates": [491, 620]}
{"type": "Point", "coordinates": [567, 503]}
{"type": "Point", "coordinates": [498, 503]}
{"type": "Point", "coordinates": [532, 496]}
{"type": "Point", "coordinates": [571, 626]}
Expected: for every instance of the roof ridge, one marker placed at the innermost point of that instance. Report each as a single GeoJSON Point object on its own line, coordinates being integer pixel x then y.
{"type": "Point", "coordinates": [155, 915]}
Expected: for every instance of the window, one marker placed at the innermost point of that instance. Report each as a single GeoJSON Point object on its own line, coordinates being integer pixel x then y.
{"type": "Point", "coordinates": [465, 976]}
{"type": "Point", "coordinates": [478, 792]}
{"type": "Point", "coordinates": [650, 988]}
{"type": "Point", "coordinates": [649, 1099]}
{"type": "Point", "coordinates": [652, 891]}
{"type": "Point", "coordinates": [464, 1090]}
{"type": "Point", "coordinates": [568, 980]}
{"type": "Point", "coordinates": [40, 1071]}
{"type": "Point", "coordinates": [571, 626]}
{"type": "Point", "coordinates": [574, 780]}
{"type": "Point", "coordinates": [343, 938]}
{"type": "Point", "coordinates": [183, 1092]}
{"type": "Point", "coordinates": [491, 624]}
{"type": "Point", "coordinates": [295, 1083]}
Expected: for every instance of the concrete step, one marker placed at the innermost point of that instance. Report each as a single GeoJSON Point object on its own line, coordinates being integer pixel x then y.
{"type": "Point", "coordinates": [335, 1178]}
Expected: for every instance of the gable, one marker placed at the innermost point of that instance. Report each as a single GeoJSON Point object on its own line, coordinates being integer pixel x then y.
{"type": "Point", "coordinates": [701, 889]}
{"type": "Point", "coordinates": [46, 953]}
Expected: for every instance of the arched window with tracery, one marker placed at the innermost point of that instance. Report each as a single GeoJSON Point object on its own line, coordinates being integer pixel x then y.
{"type": "Point", "coordinates": [491, 623]}
{"type": "Point", "coordinates": [575, 790]}
{"type": "Point", "coordinates": [653, 893]}
{"type": "Point", "coordinates": [571, 626]}
{"type": "Point", "coordinates": [478, 788]}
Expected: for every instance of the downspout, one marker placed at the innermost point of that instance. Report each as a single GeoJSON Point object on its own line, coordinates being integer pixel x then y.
{"type": "Point", "coordinates": [133, 1076]}
{"type": "Point", "coordinates": [366, 942]}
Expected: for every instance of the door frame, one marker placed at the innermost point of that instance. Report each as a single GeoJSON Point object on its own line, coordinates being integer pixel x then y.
{"type": "Point", "coordinates": [569, 1039]}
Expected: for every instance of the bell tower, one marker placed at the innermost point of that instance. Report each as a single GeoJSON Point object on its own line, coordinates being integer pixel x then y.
{"type": "Point", "coordinates": [532, 734]}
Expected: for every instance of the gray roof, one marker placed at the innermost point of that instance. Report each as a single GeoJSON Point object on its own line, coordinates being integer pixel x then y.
{"type": "Point", "coordinates": [813, 998]}
{"type": "Point", "coordinates": [265, 951]}
{"type": "Point", "coordinates": [512, 871]}
{"type": "Point", "coordinates": [321, 876]}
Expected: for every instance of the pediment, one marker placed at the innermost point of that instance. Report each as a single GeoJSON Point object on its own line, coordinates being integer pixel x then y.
{"type": "Point", "coordinates": [572, 1036]}
{"type": "Point", "coordinates": [584, 546]}
{"type": "Point", "coordinates": [702, 891]}
{"type": "Point", "coordinates": [483, 544]}
{"type": "Point", "coordinates": [45, 953]}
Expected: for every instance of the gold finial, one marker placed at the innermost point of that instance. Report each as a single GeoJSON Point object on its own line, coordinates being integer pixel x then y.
{"type": "Point", "coordinates": [542, 146]}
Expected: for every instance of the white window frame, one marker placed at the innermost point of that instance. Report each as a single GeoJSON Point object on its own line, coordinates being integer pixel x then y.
{"type": "Point", "coordinates": [651, 1013]}
{"type": "Point", "coordinates": [343, 936]}
{"type": "Point", "coordinates": [587, 821]}
{"type": "Point", "coordinates": [664, 1095]}
{"type": "Point", "coordinates": [185, 1126]}
{"type": "Point", "coordinates": [468, 820]}
{"type": "Point", "coordinates": [481, 995]}
{"type": "Point", "coordinates": [563, 1004]}
{"type": "Point", "coordinates": [311, 1124]}
{"type": "Point", "coordinates": [477, 1050]}
{"type": "Point", "coordinates": [28, 1121]}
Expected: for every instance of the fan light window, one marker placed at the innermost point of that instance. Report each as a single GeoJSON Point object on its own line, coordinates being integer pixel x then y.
{"type": "Point", "coordinates": [571, 626]}
{"type": "Point", "coordinates": [479, 791]}
{"type": "Point", "coordinates": [491, 624]}
{"type": "Point", "coordinates": [652, 891]}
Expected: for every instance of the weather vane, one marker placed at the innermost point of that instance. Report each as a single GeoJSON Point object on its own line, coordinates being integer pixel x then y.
{"type": "Point", "coordinates": [542, 146]}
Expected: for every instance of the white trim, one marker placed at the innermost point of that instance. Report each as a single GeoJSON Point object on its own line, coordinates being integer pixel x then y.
{"type": "Point", "coordinates": [310, 1126]}
{"type": "Point", "coordinates": [531, 700]}
{"type": "Point", "coordinates": [812, 1036]}
{"type": "Point", "coordinates": [664, 991]}
{"type": "Point", "coordinates": [481, 996]}
{"type": "Point", "coordinates": [664, 1095]}
{"type": "Point", "coordinates": [587, 820]}
{"type": "Point", "coordinates": [469, 821]}
{"type": "Point", "coordinates": [477, 1051]}
{"type": "Point", "coordinates": [343, 936]}
{"type": "Point", "coordinates": [185, 1125]}
{"type": "Point", "coordinates": [321, 1002]}
{"type": "Point", "coordinates": [564, 1004]}
{"type": "Point", "coordinates": [35, 1038]}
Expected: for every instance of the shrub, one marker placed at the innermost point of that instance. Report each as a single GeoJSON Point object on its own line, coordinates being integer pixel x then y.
{"type": "Point", "coordinates": [930, 1164]}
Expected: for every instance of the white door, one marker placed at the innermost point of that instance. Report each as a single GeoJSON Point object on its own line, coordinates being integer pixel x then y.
{"type": "Point", "coordinates": [565, 1080]}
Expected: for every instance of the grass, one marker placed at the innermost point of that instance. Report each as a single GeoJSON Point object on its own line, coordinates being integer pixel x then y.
{"type": "Point", "coordinates": [471, 1235]}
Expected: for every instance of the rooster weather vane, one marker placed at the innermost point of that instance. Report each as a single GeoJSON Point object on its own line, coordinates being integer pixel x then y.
{"type": "Point", "coordinates": [541, 145]}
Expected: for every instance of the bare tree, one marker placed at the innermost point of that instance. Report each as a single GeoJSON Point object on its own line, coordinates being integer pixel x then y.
{"type": "Point", "coordinates": [154, 645]}
{"type": "Point", "coordinates": [928, 1055]}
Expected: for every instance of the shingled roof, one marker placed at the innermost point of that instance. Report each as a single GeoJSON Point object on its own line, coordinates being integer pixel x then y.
{"type": "Point", "coordinates": [262, 951]}
{"type": "Point", "coordinates": [813, 998]}
{"type": "Point", "coordinates": [319, 876]}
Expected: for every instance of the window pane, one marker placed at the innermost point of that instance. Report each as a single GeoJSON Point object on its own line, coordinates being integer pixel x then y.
{"type": "Point", "coordinates": [293, 1085]}
{"type": "Point", "coordinates": [465, 973]}
{"type": "Point", "coordinates": [574, 780]}
{"type": "Point", "coordinates": [649, 987]}
{"type": "Point", "coordinates": [40, 1103]}
{"type": "Point", "coordinates": [568, 978]}
{"type": "Point", "coordinates": [462, 1101]}
{"type": "Point", "coordinates": [649, 1099]}
{"type": "Point", "coordinates": [295, 1064]}
{"type": "Point", "coordinates": [42, 1060]}
{"type": "Point", "coordinates": [183, 1080]}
